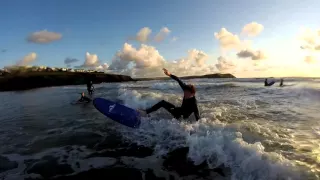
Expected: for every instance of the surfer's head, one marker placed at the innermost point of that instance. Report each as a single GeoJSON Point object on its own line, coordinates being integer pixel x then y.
{"type": "Point", "coordinates": [192, 88]}
{"type": "Point", "coordinates": [82, 94]}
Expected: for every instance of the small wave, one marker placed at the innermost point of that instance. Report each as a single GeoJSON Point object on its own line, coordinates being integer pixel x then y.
{"type": "Point", "coordinates": [211, 142]}
{"type": "Point", "coordinates": [306, 94]}
{"type": "Point", "coordinates": [198, 85]}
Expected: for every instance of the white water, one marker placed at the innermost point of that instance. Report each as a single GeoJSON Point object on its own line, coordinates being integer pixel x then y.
{"type": "Point", "coordinates": [257, 132]}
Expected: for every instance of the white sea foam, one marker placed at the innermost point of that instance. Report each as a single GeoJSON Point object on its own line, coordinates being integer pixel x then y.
{"type": "Point", "coordinates": [209, 140]}
{"type": "Point", "coordinates": [241, 128]}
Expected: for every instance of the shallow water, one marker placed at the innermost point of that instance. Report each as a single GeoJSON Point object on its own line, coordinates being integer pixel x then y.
{"type": "Point", "coordinates": [258, 132]}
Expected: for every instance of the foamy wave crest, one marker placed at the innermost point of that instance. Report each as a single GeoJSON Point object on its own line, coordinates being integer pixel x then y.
{"type": "Point", "coordinates": [133, 85]}
{"type": "Point", "coordinates": [213, 142]}
{"type": "Point", "coordinates": [135, 99]}
{"type": "Point", "coordinates": [224, 146]}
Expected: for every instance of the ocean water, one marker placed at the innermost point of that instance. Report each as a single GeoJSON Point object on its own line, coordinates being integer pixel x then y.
{"type": "Point", "coordinates": [256, 132]}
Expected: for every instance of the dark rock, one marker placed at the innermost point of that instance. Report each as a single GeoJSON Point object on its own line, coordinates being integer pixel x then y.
{"type": "Point", "coordinates": [222, 170]}
{"type": "Point", "coordinates": [171, 177]}
{"type": "Point", "coordinates": [68, 148]}
{"type": "Point", "coordinates": [6, 164]}
{"type": "Point", "coordinates": [28, 162]}
{"type": "Point", "coordinates": [177, 160]}
{"type": "Point", "coordinates": [149, 175]}
{"type": "Point", "coordinates": [132, 150]}
{"type": "Point", "coordinates": [105, 173]}
{"type": "Point", "coordinates": [48, 166]}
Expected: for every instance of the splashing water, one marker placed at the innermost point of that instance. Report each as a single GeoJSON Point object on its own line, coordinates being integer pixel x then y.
{"type": "Point", "coordinates": [257, 132]}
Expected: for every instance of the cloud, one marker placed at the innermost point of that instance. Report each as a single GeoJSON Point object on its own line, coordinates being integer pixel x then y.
{"type": "Point", "coordinates": [143, 35]}
{"type": "Point", "coordinates": [310, 39]}
{"type": "Point", "coordinates": [102, 67]}
{"type": "Point", "coordinates": [146, 61]}
{"type": "Point", "coordinates": [224, 65]}
{"type": "Point", "coordinates": [227, 40]}
{"type": "Point", "coordinates": [310, 60]}
{"type": "Point", "coordinates": [252, 29]}
{"type": "Point", "coordinates": [91, 61]}
{"type": "Point", "coordinates": [145, 56]}
{"type": "Point", "coordinates": [199, 57]}
{"type": "Point", "coordinates": [44, 37]}
{"type": "Point", "coordinates": [163, 33]}
{"type": "Point", "coordinates": [28, 59]}
{"type": "Point", "coordinates": [70, 60]}
{"type": "Point", "coordinates": [254, 55]}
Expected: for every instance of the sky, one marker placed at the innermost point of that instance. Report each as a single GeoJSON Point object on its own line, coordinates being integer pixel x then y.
{"type": "Point", "coordinates": [246, 38]}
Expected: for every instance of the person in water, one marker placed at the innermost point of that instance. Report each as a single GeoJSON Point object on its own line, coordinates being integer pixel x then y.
{"type": "Point", "coordinates": [84, 98]}
{"type": "Point", "coordinates": [281, 82]}
{"type": "Point", "coordinates": [266, 82]}
{"type": "Point", "coordinates": [90, 87]}
{"type": "Point", "coordinates": [189, 103]}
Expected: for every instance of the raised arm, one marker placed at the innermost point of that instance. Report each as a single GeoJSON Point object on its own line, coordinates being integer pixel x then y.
{"type": "Point", "coordinates": [182, 84]}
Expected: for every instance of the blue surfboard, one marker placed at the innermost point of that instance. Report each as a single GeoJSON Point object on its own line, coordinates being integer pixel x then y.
{"type": "Point", "coordinates": [118, 112]}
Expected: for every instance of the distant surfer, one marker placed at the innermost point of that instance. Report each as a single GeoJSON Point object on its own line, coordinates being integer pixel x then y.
{"type": "Point", "coordinates": [189, 103]}
{"type": "Point", "coordinates": [268, 84]}
{"type": "Point", "coordinates": [84, 98]}
{"type": "Point", "coordinates": [90, 87]}
{"type": "Point", "coordinates": [281, 82]}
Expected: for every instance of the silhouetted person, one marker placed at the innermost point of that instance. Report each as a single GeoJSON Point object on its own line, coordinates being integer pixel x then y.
{"type": "Point", "coordinates": [266, 82]}
{"type": "Point", "coordinates": [90, 87]}
{"type": "Point", "coordinates": [281, 82]}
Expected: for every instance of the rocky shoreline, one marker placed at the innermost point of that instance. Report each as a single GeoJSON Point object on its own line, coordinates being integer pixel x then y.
{"type": "Point", "coordinates": [32, 80]}
{"type": "Point", "coordinates": [26, 81]}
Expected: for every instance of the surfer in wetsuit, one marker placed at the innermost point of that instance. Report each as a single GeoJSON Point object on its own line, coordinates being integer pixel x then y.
{"type": "Point", "coordinates": [90, 87]}
{"type": "Point", "coordinates": [281, 82]}
{"type": "Point", "coordinates": [266, 82]}
{"type": "Point", "coordinates": [189, 103]}
{"type": "Point", "coordinates": [84, 98]}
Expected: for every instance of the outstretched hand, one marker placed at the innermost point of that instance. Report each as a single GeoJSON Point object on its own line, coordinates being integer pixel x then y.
{"type": "Point", "coordinates": [166, 72]}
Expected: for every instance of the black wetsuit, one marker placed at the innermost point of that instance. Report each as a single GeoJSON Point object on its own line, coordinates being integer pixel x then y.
{"type": "Point", "coordinates": [89, 87]}
{"type": "Point", "coordinates": [188, 106]}
{"type": "Point", "coordinates": [84, 98]}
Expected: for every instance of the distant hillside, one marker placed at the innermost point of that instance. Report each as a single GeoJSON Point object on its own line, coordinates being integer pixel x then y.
{"type": "Point", "coordinates": [30, 80]}
{"type": "Point", "coordinates": [217, 75]}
